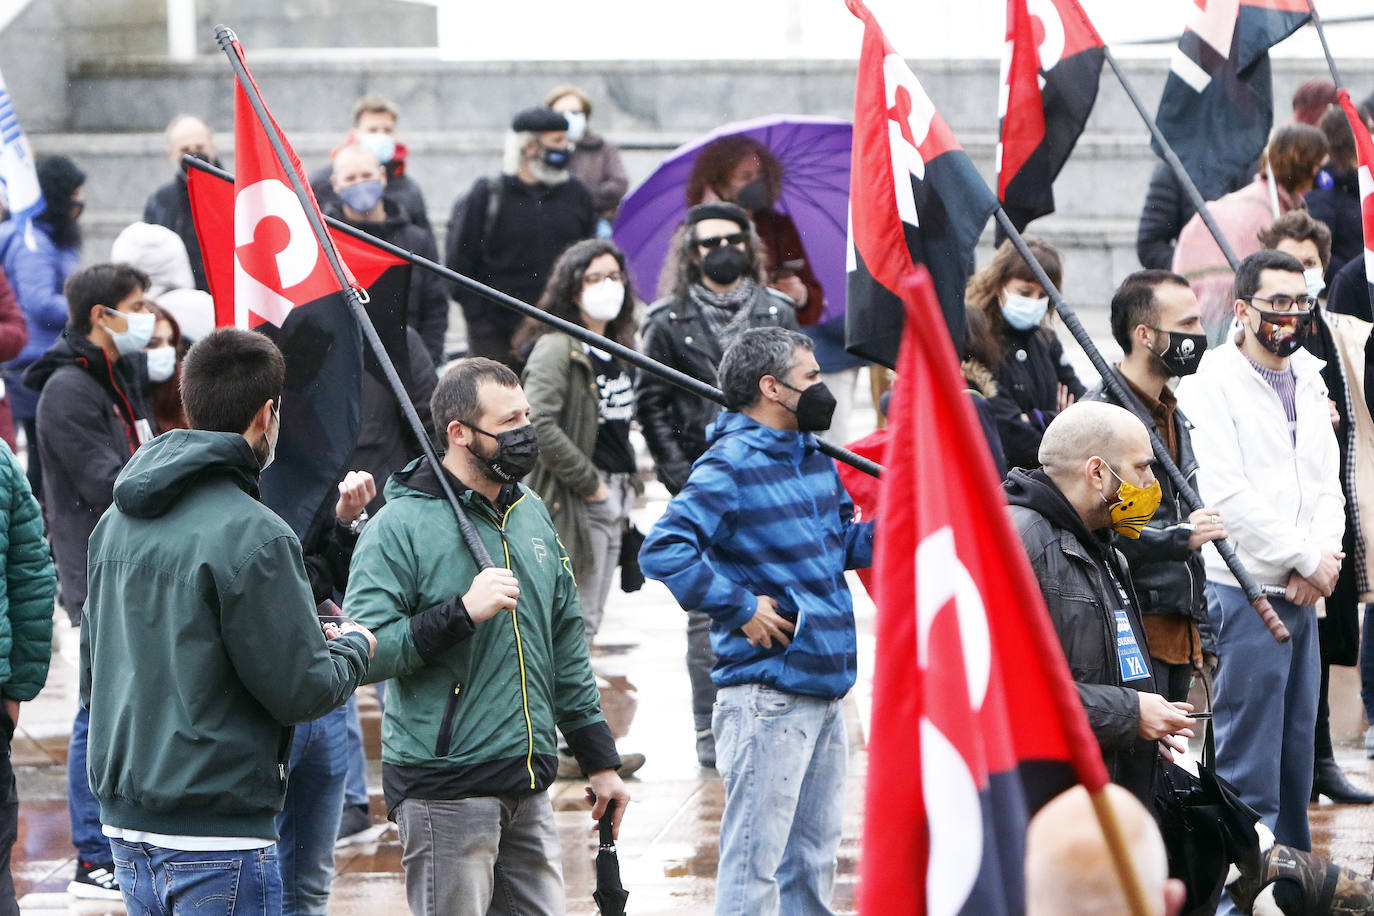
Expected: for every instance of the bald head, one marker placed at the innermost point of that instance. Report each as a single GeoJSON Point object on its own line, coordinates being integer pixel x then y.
{"type": "Point", "coordinates": [1089, 449]}
{"type": "Point", "coordinates": [189, 134]}
{"type": "Point", "coordinates": [354, 163]}
{"type": "Point", "coordinates": [1069, 870]}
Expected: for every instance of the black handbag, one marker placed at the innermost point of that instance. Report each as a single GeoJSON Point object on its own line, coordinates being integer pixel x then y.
{"type": "Point", "coordinates": [631, 577]}
{"type": "Point", "coordinates": [1206, 826]}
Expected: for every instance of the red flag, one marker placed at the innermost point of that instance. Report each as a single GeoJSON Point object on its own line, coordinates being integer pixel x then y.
{"type": "Point", "coordinates": [1049, 85]}
{"type": "Point", "coordinates": [278, 261]}
{"type": "Point", "coordinates": [1364, 149]}
{"type": "Point", "coordinates": [976, 720]}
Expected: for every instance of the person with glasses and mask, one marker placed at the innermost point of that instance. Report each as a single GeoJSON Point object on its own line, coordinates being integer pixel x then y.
{"type": "Point", "coordinates": [507, 231]}
{"type": "Point", "coordinates": [717, 292]}
{"type": "Point", "coordinates": [1156, 320]}
{"type": "Point", "coordinates": [1268, 461]}
{"type": "Point", "coordinates": [91, 418]}
{"type": "Point", "coordinates": [758, 541]}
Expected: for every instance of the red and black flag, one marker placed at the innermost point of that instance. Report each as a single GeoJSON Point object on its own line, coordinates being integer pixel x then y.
{"type": "Point", "coordinates": [1364, 151]}
{"type": "Point", "coordinates": [914, 198]}
{"type": "Point", "coordinates": [976, 721]}
{"type": "Point", "coordinates": [268, 272]}
{"type": "Point", "coordinates": [1049, 84]}
{"type": "Point", "coordinates": [1218, 101]}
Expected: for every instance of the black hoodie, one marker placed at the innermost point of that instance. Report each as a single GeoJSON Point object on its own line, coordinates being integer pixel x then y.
{"type": "Point", "coordinates": [1085, 582]}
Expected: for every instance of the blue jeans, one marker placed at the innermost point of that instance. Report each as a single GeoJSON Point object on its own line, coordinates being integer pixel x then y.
{"type": "Point", "coordinates": [1264, 707]}
{"type": "Point", "coordinates": [309, 820]}
{"type": "Point", "coordinates": [91, 845]}
{"type": "Point", "coordinates": [782, 758]}
{"type": "Point", "coordinates": [157, 881]}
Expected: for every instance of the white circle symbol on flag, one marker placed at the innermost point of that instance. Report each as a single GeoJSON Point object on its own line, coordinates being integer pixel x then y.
{"type": "Point", "coordinates": [292, 261]}
{"type": "Point", "coordinates": [1051, 45]}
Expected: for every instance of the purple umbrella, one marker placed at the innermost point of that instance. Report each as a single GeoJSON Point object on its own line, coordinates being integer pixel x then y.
{"type": "Point", "coordinates": [814, 153]}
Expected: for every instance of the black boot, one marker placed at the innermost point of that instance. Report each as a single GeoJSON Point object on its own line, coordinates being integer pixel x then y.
{"type": "Point", "coordinates": [1329, 780]}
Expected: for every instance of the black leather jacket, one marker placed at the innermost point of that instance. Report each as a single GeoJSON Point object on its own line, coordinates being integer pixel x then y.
{"type": "Point", "coordinates": [1169, 577]}
{"type": "Point", "coordinates": [1076, 569]}
{"type": "Point", "coordinates": [674, 420]}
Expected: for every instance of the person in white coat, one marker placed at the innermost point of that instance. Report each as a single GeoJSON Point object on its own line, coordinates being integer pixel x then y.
{"type": "Point", "coordinates": [1268, 460]}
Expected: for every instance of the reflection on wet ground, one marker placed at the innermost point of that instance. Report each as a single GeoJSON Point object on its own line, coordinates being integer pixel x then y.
{"type": "Point", "coordinates": [668, 840]}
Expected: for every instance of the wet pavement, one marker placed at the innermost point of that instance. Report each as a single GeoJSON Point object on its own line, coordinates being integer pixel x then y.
{"type": "Point", "coordinates": [668, 839]}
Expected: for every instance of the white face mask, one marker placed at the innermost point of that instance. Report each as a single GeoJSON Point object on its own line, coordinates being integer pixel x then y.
{"type": "Point", "coordinates": [1315, 281]}
{"type": "Point", "coordinates": [162, 362]}
{"type": "Point", "coordinates": [577, 125]}
{"type": "Point", "coordinates": [383, 146]}
{"type": "Point", "coordinates": [136, 334]}
{"type": "Point", "coordinates": [603, 301]}
{"type": "Point", "coordinates": [1023, 312]}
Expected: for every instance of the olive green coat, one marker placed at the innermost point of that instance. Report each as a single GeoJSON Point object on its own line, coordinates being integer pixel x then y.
{"type": "Point", "coordinates": [561, 388]}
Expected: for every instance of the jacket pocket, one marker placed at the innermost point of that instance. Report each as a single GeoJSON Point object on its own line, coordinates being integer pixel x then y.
{"type": "Point", "coordinates": [445, 738]}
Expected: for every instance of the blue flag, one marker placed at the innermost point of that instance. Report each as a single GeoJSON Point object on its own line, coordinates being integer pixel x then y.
{"type": "Point", "coordinates": [23, 197]}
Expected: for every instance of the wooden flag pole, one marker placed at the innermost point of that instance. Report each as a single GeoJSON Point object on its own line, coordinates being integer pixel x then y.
{"type": "Point", "coordinates": [225, 36]}
{"type": "Point", "coordinates": [1121, 854]}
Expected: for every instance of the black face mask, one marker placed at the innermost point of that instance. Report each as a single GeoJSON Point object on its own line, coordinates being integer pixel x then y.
{"type": "Point", "coordinates": [725, 264]}
{"type": "Point", "coordinates": [755, 196]}
{"type": "Point", "coordinates": [517, 450]}
{"type": "Point", "coordinates": [814, 408]}
{"type": "Point", "coordinates": [1184, 352]}
{"type": "Point", "coordinates": [1283, 345]}
{"type": "Point", "coordinates": [556, 158]}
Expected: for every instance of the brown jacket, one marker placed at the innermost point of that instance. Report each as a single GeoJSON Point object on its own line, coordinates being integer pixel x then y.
{"type": "Point", "coordinates": [596, 163]}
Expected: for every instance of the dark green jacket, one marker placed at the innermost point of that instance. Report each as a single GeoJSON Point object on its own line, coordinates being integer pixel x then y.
{"type": "Point", "coordinates": [478, 718]}
{"type": "Point", "coordinates": [200, 645]}
{"type": "Point", "coordinates": [561, 387]}
{"type": "Point", "coordinates": [26, 588]}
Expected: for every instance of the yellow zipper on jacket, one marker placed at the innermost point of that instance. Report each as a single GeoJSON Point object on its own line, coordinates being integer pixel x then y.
{"type": "Point", "coordinates": [520, 654]}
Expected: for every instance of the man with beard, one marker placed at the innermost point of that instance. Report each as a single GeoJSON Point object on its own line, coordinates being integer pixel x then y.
{"type": "Point", "coordinates": [359, 184]}
{"type": "Point", "coordinates": [170, 205]}
{"type": "Point", "coordinates": [486, 662]}
{"type": "Point", "coordinates": [38, 259]}
{"type": "Point", "coordinates": [718, 266]}
{"type": "Point", "coordinates": [507, 231]}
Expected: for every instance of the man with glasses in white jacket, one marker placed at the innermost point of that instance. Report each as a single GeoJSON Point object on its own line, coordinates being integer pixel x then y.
{"type": "Point", "coordinates": [1268, 461]}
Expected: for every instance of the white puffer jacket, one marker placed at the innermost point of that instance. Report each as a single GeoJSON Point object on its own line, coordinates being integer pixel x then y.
{"type": "Point", "coordinates": [1281, 502]}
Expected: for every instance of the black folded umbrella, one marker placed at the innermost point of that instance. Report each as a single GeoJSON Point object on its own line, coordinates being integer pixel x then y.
{"type": "Point", "coordinates": [610, 895]}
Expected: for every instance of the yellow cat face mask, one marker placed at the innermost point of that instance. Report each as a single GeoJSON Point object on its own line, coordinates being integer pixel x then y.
{"type": "Point", "coordinates": [1134, 506]}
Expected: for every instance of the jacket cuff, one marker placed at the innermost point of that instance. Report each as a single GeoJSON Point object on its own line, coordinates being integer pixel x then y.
{"type": "Point", "coordinates": [594, 747]}
{"type": "Point", "coordinates": [437, 629]}
{"type": "Point", "coordinates": [741, 616]}
{"type": "Point", "coordinates": [1308, 561]}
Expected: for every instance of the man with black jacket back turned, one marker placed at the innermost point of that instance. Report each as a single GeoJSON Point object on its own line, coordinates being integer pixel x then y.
{"type": "Point", "coordinates": [1096, 478]}
{"type": "Point", "coordinates": [1157, 322]}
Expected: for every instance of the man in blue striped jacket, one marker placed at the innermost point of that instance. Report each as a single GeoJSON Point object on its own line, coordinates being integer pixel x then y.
{"type": "Point", "coordinates": [759, 539]}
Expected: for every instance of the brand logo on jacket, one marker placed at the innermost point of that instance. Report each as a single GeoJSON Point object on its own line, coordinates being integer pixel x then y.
{"type": "Point", "coordinates": [540, 549]}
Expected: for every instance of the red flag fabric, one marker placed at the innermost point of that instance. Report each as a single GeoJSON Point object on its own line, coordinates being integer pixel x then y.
{"type": "Point", "coordinates": [976, 721]}
{"type": "Point", "coordinates": [1049, 85]}
{"type": "Point", "coordinates": [1364, 151]}
{"type": "Point", "coordinates": [278, 261]}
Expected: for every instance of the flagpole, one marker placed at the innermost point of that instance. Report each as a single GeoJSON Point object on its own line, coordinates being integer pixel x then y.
{"type": "Point", "coordinates": [1184, 179]}
{"type": "Point", "coordinates": [1121, 853]}
{"type": "Point", "coordinates": [1123, 395]}
{"type": "Point", "coordinates": [225, 36]}
{"type": "Point", "coordinates": [1326, 48]}
{"type": "Point", "coordinates": [572, 329]}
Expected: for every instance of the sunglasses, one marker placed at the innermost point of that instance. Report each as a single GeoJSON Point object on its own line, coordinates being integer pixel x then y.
{"type": "Point", "coordinates": [735, 238]}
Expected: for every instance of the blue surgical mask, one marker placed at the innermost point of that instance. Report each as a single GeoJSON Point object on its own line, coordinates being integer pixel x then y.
{"type": "Point", "coordinates": [137, 332]}
{"type": "Point", "coordinates": [383, 146]}
{"type": "Point", "coordinates": [1023, 312]}
{"type": "Point", "coordinates": [162, 362]}
{"type": "Point", "coordinates": [577, 125]}
{"type": "Point", "coordinates": [1315, 281]}
{"type": "Point", "coordinates": [363, 196]}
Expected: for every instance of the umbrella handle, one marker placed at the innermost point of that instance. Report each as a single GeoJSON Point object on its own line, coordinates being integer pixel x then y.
{"type": "Point", "coordinates": [606, 823]}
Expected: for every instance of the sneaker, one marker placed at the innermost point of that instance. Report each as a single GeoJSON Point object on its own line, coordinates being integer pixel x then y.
{"type": "Point", "coordinates": [94, 882]}
{"type": "Point", "coordinates": [354, 824]}
{"type": "Point", "coordinates": [706, 748]}
{"type": "Point", "coordinates": [630, 764]}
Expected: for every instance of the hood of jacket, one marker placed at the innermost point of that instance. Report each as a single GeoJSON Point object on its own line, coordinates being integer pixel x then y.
{"type": "Point", "coordinates": [1035, 490]}
{"type": "Point", "coordinates": [72, 349]}
{"type": "Point", "coordinates": [161, 471]}
{"type": "Point", "coordinates": [780, 443]}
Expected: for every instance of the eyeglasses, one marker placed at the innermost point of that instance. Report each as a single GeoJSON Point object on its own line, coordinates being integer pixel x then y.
{"type": "Point", "coordinates": [593, 279]}
{"type": "Point", "coordinates": [1287, 303]}
{"type": "Point", "coordinates": [734, 238]}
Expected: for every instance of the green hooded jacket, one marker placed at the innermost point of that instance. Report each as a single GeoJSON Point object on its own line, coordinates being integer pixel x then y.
{"type": "Point", "coordinates": [200, 645]}
{"type": "Point", "coordinates": [478, 718]}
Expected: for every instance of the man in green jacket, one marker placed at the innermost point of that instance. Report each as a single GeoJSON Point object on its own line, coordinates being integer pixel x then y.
{"type": "Point", "coordinates": [201, 648]}
{"type": "Point", "coordinates": [486, 663]}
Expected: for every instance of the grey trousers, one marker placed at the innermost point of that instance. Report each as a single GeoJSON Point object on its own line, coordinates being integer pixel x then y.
{"type": "Point", "coordinates": [701, 658]}
{"type": "Point", "coordinates": [495, 854]}
{"type": "Point", "coordinates": [605, 525]}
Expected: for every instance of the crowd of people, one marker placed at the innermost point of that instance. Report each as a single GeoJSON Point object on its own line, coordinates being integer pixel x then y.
{"type": "Point", "coordinates": [219, 661]}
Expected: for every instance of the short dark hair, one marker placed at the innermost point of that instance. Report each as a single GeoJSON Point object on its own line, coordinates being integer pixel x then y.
{"type": "Point", "coordinates": [1300, 226]}
{"type": "Point", "coordinates": [1248, 273]}
{"type": "Point", "coordinates": [1340, 140]}
{"type": "Point", "coordinates": [374, 104]}
{"type": "Point", "coordinates": [226, 378]}
{"type": "Point", "coordinates": [1134, 304]}
{"type": "Point", "coordinates": [756, 353]}
{"type": "Point", "coordinates": [99, 284]}
{"type": "Point", "coordinates": [455, 397]}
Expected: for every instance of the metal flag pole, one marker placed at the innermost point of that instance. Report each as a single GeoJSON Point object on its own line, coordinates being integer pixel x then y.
{"type": "Point", "coordinates": [1326, 48]}
{"type": "Point", "coordinates": [226, 38]}
{"type": "Point", "coordinates": [1123, 395]}
{"type": "Point", "coordinates": [573, 330]}
{"type": "Point", "coordinates": [1184, 179]}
